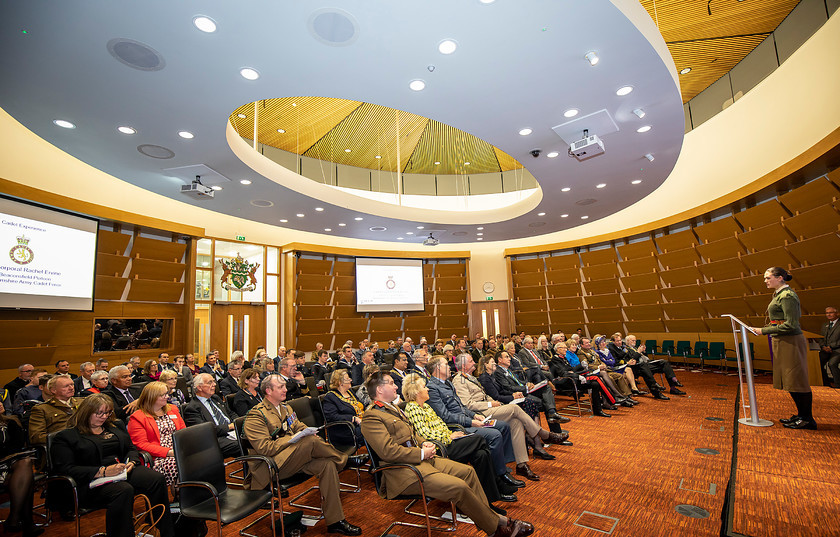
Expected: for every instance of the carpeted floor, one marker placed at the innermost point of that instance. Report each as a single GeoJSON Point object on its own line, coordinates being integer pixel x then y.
{"type": "Point", "coordinates": [626, 475]}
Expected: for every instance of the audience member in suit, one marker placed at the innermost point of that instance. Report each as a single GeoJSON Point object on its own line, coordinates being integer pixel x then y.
{"type": "Point", "coordinates": [230, 384]}
{"type": "Point", "coordinates": [357, 371]}
{"type": "Point", "coordinates": [391, 436]}
{"type": "Point", "coordinates": [421, 358]}
{"type": "Point", "coordinates": [830, 346]}
{"type": "Point", "coordinates": [52, 415]}
{"type": "Point", "coordinates": [99, 382]}
{"type": "Point", "coordinates": [400, 370]}
{"type": "Point", "coordinates": [320, 368]}
{"type": "Point", "coordinates": [510, 383]}
{"type": "Point", "coordinates": [62, 367]}
{"type": "Point", "coordinates": [83, 381]}
{"type": "Point", "coordinates": [618, 351]}
{"type": "Point", "coordinates": [346, 359]}
{"type": "Point", "coordinates": [182, 370]}
{"type": "Point", "coordinates": [151, 427]}
{"type": "Point", "coordinates": [568, 375]}
{"type": "Point", "coordinates": [536, 368]}
{"type": "Point", "coordinates": [656, 366]}
{"type": "Point", "coordinates": [24, 375]}
{"type": "Point", "coordinates": [478, 351]}
{"type": "Point", "coordinates": [300, 360]}
{"type": "Point", "coordinates": [135, 367]}
{"type": "Point", "coordinates": [281, 353]}
{"type": "Point", "coordinates": [295, 383]}
{"type": "Point", "coordinates": [89, 447]}
{"type": "Point", "coordinates": [120, 378]}
{"type": "Point", "coordinates": [163, 361]}
{"type": "Point", "coordinates": [34, 391]}
{"type": "Point", "coordinates": [175, 396]}
{"type": "Point", "coordinates": [378, 356]}
{"type": "Point", "coordinates": [101, 365]}
{"type": "Point", "coordinates": [486, 368]}
{"type": "Point", "coordinates": [363, 346]}
{"type": "Point", "coordinates": [248, 395]}
{"type": "Point", "coordinates": [341, 405]}
{"type": "Point", "coordinates": [206, 406]}
{"type": "Point", "coordinates": [212, 367]}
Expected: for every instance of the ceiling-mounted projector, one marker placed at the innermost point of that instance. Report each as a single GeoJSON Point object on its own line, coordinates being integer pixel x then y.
{"type": "Point", "coordinates": [430, 241]}
{"type": "Point", "coordinates": [587, 147]}
{"type": "Point", "coordinates": [197, 190]}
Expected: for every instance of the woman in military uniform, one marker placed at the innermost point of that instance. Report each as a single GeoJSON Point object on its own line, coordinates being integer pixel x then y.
{"type": "Point", "coordinates": [790, 370]}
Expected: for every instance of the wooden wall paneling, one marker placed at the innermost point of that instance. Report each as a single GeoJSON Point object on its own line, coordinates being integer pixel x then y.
{"type": "Point", "coordinates": [725, 288]}
{"type": "Point", "coordinates": [454, 283]}
{"type": "Point", "coordinates": [818, 221]}
{"type": "Point", "coordinates": [305, 342]}
{"type": "Point", "coordinates": [529, 293]}
{"type": "Point", "coordinates": [112, 242]}
{"type": "Point", "coordinates": [761, 215]}
{"type": "Point", "coordinates": [529, 305]}
{"type": "Point", "coordinates": [314, 326]}
{"type": "Point", "coordinates": [599, 257]}
{"type": "Point", "coordinates": [75, 332]}
{"type": "Point", "coordinates": [344, 283]}
{"type": "Point", "coordinates": [834, 176]}
{"type": "Point", "coordinates": [566, 317]}
{"type": "Point", "coordinates": [11, 358]}
{"type": "Point", "coordinates": [600, 272]}
{"type": "Point", "coordinates": [344, 268]}
{"type": "Point", "coordinates": [676, 241]}
{"type": "Point", "coordinates": [822, 275]}
{"type": "Point", "coordinates": [774, 257]}
{"type": "Point", "coordinates": [809, 196]}
{"type": "Point", "coordinates": [639, 265]}
{"type": "Point", "coordinates": [735, 306]}
{"type": "Point", "coordinates": [641, 282]}
{"type": "Point", "coordinates": [419, 323]}
{"type": "Point", "coordinates": [110, 287]}
{"type": "Point", "coordinates": [758, 303]}
{"type": "Point", "coordinates": [451, 322]}
{"type": "Point", "coordinates": [820, 249]}
{"type": "Point", "coordinates": [814, 301]}
{"type": "Point", "coordinates": [538, 318]}
{"type": "Point", "coordinates": [644, 326]}
{"type": "Point", "coordinates": [314, 312]}
{"type": "Point", "coordinates": [533, 330]}
{"type": "Point", "coordinates": [756, 284]}
{"type": "Point", "coordinates": [683, 293]}
{"type": "Point", "coordinates": [721, 324]}
{"type": "Point", "coordinates": [643, 312]}
{"type": "Point", "coordinates": [766, 237]}
{"type": "Point", "coordinates": [527, 265]}
{"type": "Point", "coordinates": [721, 249]}
{"type": "Point", "coordinates": [687, 257]}
{"type": "Point", "coordinates": [345, 298]}
{"type": "Point", "coordinates": [604, 315]}
{"type": "Point", "coordinates": [315, 282]}
{"type": "Point", "coordinates": [451, 297]}
{"type": "Point", "coordinates": [313, 298]}
{"type": "Point", "coordinates": [725, 269]}
{"type": "Point", "coordinates": [635, 298]}
{"type": "Point", "coordinates": [447, 270]}
{"type": "Point", "coordinates": [559, 290]}
{"type": "Point", "coordinates": [452, 309]}
{"type": "Point", "coordinates": [636, 250]}
{"type": "Point", "coordinates": [148, 269]}
{"type": "Point", "coordinates": [29, 332]}
{"type": "Point", "coordinates": [528, 279]}
{"type": "Point", "coordinates": [149, 248]}
{"type": "Point", "coordinates": [684, 310]}
{"type": "Point", "coordinates": [567, 275]}
{"type": "Point", "coordinates": [429, 270]}
{"type": "Point", "coordinates": [602, 287]}
{"type": "Point", "coordinates": [565, 303]}
{"type": "Point", "coordinates": [681, 276]}
{"type": "Point", "coordinates": [386, 324]}
{"type": "Point", "coordinates": [429, 285]}
{"type": "Point", "coordinates": [721, 228]}
{"type": "Point", "coordinates": [605, 328]}
{"type": "Point", "coordinates": [351, 325]}
{"type": "Point", "coordinates": [355, 337]}
{"type": "Point", "coordinates": [155, 291]}
{"type": "Point", "coordinates": [812, 323]}
{"type": "Point", "coordinates": [110, 264]}
{"type": "Point", "coordinates": [343, 311]}
{"type": "Point", "coordinates": [687, 325]}
{"type": "Point", "coordinates": [567, 261]}
{"type": "Point", "coordinates": [313, 266]}
{"type": "Point", "coordinates": [610, 300]}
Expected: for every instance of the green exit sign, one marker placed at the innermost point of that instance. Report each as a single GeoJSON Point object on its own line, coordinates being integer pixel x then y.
{"type": "Point", "coordinates": [489, 298]}
{"type": "Point", "coordinates": [240, 238]}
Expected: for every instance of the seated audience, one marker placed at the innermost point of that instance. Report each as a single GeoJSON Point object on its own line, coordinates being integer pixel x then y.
{"type": "Point", "coordinates": [175, 396]}
{"type": "Point", "coordinates": [421, 358]}
{"type": "Point", "coordinates": [31, 392]}
{"type": "Point", "coordinates": [400, 369]}
{"type": "Point", "coordinates": [615, 382]}
{"type": "Point", "coordinates": [569, 375]}
{"type": "Point", "coordinates": [656, 366]}
{"type": "Point", "coordinates": [300, 360]}
{"type": "Point", "coordinates": [341, 405]}
{"type": "Point", "coordinates": [230, 384]}
{"type": "Point", "coordinates": [295, 383]}
{"type": "Point", "coordinates": [180, 367]}
{"type": "Point", "coordinates": [120, 379]}
{"type": "Point", "coordinates": [213, 367]}
{"type": "Point", "coordinates": [53, 414]}
{"type": "Point", "coordinates": [616, 352]}
{"type": "Point", "coordinates": [189, 361]}
{"type": "Point", "coordinates": [357, 374]}
{"type": "Point", "coordinates": [150, 371]}
{"type": "Point", "coordinates": [152, 425]}
{"type": "Point", "coordinates": [248, 395]}
{"type": "Point", "coordinates": [486, 368]}
{"type": "Point", "coordinates": [23, 378]}
{"type": "Point", "coordinates": [361, 392]}
{"type": "Point", "coordinates": [320, 368]}
{"type": "Point", "coordinates": [99, 382]}
{"type": "Point", "coordinates": [95, 445]}
{"type": "Point", "coordinates": [83, 381]}
{"type": "Point", "coordinates": [206, 406]}
{"type": "Point", "coordinates": [510, 382]}
{"type": "Point", "coordinates": [62, 367]}
{"type": "Point", "coordinates": [101, 365]}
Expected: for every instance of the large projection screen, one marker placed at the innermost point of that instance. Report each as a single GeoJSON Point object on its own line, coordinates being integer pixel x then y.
{"type": "Point", "coordinates": [47, 258]}
{"type": "Point", "coordinates": [389, 285]}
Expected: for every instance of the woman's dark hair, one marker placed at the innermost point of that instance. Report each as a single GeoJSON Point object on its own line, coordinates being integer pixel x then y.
{"type": "Point", "coordinates": [81, 418]}
{"type": "Point", "coordinates": [779, 272]}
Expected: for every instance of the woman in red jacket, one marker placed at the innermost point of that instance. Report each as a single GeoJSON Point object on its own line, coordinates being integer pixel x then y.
{"type": "Point", "coordinates": [152, 425]}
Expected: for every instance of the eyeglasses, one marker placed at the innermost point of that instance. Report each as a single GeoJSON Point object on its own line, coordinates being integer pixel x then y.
{"type": "Point", "coordinates": [103, 414]}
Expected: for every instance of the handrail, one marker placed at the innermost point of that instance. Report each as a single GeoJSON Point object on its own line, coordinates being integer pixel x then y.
{"type": "Point", "coordinates": [753, 420]}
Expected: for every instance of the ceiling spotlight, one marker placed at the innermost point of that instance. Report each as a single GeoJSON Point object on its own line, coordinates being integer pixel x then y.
{"type": "Point", "coordinates": [525, 132]}
{"type": "Point", "coordinates": [649, 157]}
{"type": "Point", "coordinates": [409, 233]}
{"type": "Point", "coordinates": [643, 128]}
{"type": "Point", "coordinates": [564, 216]}
{"type": "Point", "coordinates": [447, 46]}
{"type": "Point", "coordinates": [437, 163]}
{"type": "Point", "coordinates": [64, 124]}
{"type": "Point", "coordinates": [479, 234]}
{"type": "Point", "coordinates": [327, 229]}
{"type": "Point", "coordinates": [420, 227]}
{"type": "Point", "coordinates": [319, 209]}
{"type": "Point", "coordinates": [685, 71]}
{"type": "Point", "coordinates": [540, 214]}
{"type": "Point", "coordinates": [283, 220]}
{"type": "Point", "coordinates": [347, 150]}
{"type": "Point", "coordinates": [241, 116]}
{"type": "Point", "coordinates": [417, 85]}
{"type": "Point", "coordinates": [342, 224]}
{"type": "Point", "coordinates": [466, 163]}
{"type": "Point", "coordinates": [601, 185]}
{"type": "Point", "coordinates": [205, 24]}
{"type": "Point", "coordinates": [400, 238]}
{"type": "Point", "coordinates": [378, 156]}
{"type": "Point", "coordinates": [249, 73]}
{"type": "Point", "coordinates": [553, 154]}
{"type": "Point", "coordinates": [299, 215]}
{"type": "Point", "coordinates": [591, 57]}
{"type": "Point", "coordinates": [480, 228]}
{"type": "Point", "coordinates": [281, 131]}
{"type": "Point", "coordinates": [635, 181]}
{"type": "Point", "coordinates": [639, 112]}
{"type": "Point", "coordinates": [358, 219]}
{"type": "Point", "coordinates": [216, 187]}
{"type": "Point", "coordinates": [186, 134]}
{"type": "Point", "coordinates": [565, 189]}
{"type": "Point", "coordinates": [245, 182]}
{"type": "Point", "coordinates": [127, 130]}
{"type": "Point", "coordinates": [571, 112]}
{"type": "Point", "coordinates": [479, 238]}
{"type": "Point", "coordinates": [624, 90]}
{"type": "Point", "coordinates": [584, 217]}
{"type": "Point", "coordinates": [486, 1]}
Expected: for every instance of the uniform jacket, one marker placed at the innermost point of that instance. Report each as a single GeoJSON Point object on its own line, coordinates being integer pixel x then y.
{"type": "Point", "coordinates": [471, 393]}
{"type": "Point", "coordinates": [259, 424]}
{"type": "Point", "coordinates": [49, 417]}
{"type": "Point", "coordinates": [445, 402]}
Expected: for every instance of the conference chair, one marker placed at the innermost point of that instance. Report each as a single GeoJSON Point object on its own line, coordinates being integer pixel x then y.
{"type": "Point", "coordinates": [201, 480]}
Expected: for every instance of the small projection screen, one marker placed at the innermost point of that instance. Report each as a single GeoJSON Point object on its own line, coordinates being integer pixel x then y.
{"type": "Point", "coordinates": [47, 258]}
{"type": "Point", "coordinates": [389, 285]}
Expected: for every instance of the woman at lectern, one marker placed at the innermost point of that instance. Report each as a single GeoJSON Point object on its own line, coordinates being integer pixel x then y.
{"type": "Point", "coordinates": [790, 370]}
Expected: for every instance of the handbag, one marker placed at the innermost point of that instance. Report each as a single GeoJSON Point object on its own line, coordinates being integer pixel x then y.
{"type": "Point", "coordinates": [146, 521]}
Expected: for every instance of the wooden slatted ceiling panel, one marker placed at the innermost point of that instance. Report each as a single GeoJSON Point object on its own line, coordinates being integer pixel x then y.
{"type": "Point", "coordinates": [694, 37]}
{"type": "Point", "coordinates": [452, 148]}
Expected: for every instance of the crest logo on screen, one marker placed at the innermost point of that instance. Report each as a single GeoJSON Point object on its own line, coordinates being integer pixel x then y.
{"type": "Point", "coordinates": [390, 283]}
{"type": "Point", "coordinates": [239, 274]}
{"type": "Point", "coordinates": [21, 253]}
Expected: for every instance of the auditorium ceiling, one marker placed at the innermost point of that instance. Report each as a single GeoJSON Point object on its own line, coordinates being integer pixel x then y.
{"type": "Point", "coordinates": [507, 88]}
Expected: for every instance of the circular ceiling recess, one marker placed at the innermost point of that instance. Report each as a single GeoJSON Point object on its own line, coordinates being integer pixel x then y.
{"type": "Point", "coordinates": [136, 54]}
{"type": "Point", "coordinates": [262, 203]}
{"type": "Point", "coordinates": [587, 201]}
{"type": "Point", "coordinates": [334, 27]}
{"type": "Point", "coordinates": [156, 151]}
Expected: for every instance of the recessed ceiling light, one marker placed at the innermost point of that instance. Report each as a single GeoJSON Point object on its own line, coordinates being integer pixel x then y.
{"type": "Point", "coordinates": [584, 217]}
{"type": "Point", "coordinates": [186, 134]}
{"type": "Point", "coordinates": [420, 227]}
{"type": "Point", "coordinates": [294, 104]}
{"type": "Point", "coordinates": [486, 1]}
{"type": "Point", "coordinates": [399, 238]}
{"type": "Point", "coordinates": [479, 234]}
{"type": "Point", "coordinates": [601, 185]}
{"type": "Point", "coordinates": [241, 116]}
{"type": "Point", "coordinates": [466, 164]}
{"type": "Point", "coordinates": [447, 46]}
{"type": "Point", "coordinates": [553, 154]}
{"type": "Point", "coordinates": [417, 85]}
{"type": "Point", "coordinates": [64, 124]}
{"type": "Point", "coordinates": [685, 71]}
{"type": "Point", "coordinates": [378, 228]}
{"type": "Point", "coordinates": [565, 189]}
{"type": "Point", "coordinates": [249, 73]}
{"type": "Point", "coordinates": [245, 181]}
{"type": "Point", "coordinates": [409, 233]}
{"type": "Point", "coordinates": [635, 181]}
{"type": "Point", "coordinates": [358, 219]}
{"type": "Point", "coordinates": [643, 128]}
{"type": "Point", "coordinates": [480, 228]}
{"type": "Point", "coordinates": [479, 238]}
{"type": "Point", "coordinates": [540, 214]}
{"type": "Point", "coordinates": [327, 229]}
{"type": "Point", "coordinates": [378, 156]}
{"type": "Point", "coordinates": [281, 131]}
{"type": "Point", "coordinates": [525, 132]}
{"type": "Point", "coordinates": [342, 224]}
{"type": "Point", "coordinates": [283, 220]}
{"type": "Point", "coordinates": [127, 130]}
{"type": "Point", "coordinates": [571, 112]}
{"type": "Point", "coordinates": [216, 187]}
{"type": "Point", "coordinates": [437, 163]}
{"type": "Point", "coordinates": [639, 112]}
{"type": "Point", "coordinates": [347, 150]}
{"type": "Point", "coordinates": [591, 57]}
{"type": "Point", "coordinates": [299, 215]}
{"type": "Point", "coordinates": [649, 156]}
{"type": "Point", "coordinates": [624, 90]}
{"type": "Point", "coordinates": [205, 24]}
{"type": "Point", "coordinates": [564, 216]}
{"type": "Point", "coordinates": [319, 209]}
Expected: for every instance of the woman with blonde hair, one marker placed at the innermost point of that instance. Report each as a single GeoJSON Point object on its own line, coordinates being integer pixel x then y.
{"type": "Point", "coordinates": [340, 404]}
{"type": "Point", "coordinates": [170, 378]}
{"type": "Point", "coordinates": [152, 425]}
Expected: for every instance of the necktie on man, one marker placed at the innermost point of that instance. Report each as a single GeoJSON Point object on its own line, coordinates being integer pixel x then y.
{"type": "Point", "coordinates": [218, 416]}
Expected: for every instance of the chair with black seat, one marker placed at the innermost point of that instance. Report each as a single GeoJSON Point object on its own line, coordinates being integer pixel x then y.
{"type": "Point", "coordinates": [651, 347]}
{"type": "Point", "coordinates": [567, 386]}
{"type": "Point", "coordinates": [667, 348]}
{"type": "Point", "coordinates": [229, 400]}
{"type": "Point", "coordinates": [701, 352]}
{"type": "Point", "coordinates": [683, 349]}
{"type": "Point", "coordinates": [204, 494]}
{"type": "Point", "coordinates": [377, 467]}
{"type": "Point", "coordinates": [310, 383]}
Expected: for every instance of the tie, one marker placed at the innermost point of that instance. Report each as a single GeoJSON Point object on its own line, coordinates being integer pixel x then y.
{"type": "Point", "coordinates": [128, 396]}
{"type": "Point", "coordinates": [536, 358]}
{"type": "Point", "coordinates": [514, 378]}
{"type": "Point", "coordinates": [218, 415]}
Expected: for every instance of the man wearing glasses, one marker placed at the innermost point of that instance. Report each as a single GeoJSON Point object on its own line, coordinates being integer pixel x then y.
{"type": "Point", "coordinates": [23, 378]}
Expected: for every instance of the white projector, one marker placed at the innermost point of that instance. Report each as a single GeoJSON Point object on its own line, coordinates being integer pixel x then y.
{"type": "Point", "coordinates": [197, 190]}
{"type": "Point", "coordinates": [587, 147]}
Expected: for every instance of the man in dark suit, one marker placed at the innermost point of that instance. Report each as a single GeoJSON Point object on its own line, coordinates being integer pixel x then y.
{"type": "Point", "coordinates": [62, 367]}
{"type": "Point", "coordinates": [23, 378]}
{"type": "Point", "coordinates": [619, 351]}
{"type": "Point", "coordinates": [120, 379]}
{"type": "Point", "coordinates": [399, 371]}
{"type": "Point", "coordinates": [300, 360]}
{"type": "Point", "coordinates": [830, 346]}
{"type": "Point", "coordinates": [357, 371]}
{"type": "Point", "coordinates": [295, 383]}
{"type": "Point", "coordinates": [82, 382]}
{"type": "Point", "coordinates": [535, 367]}
{"type": "Point", "coordinates": [229, 384]}
{"type": "Point", "coordinates": [512, 382]}
{"type": "Point", "coordinates": [163, 361]}
{"type": "Point", "coordinates": [213, 367]}
{"type": "Point", "coordinates": [320, 368]}
{"type": "Point", "coordinates": [206, 406]}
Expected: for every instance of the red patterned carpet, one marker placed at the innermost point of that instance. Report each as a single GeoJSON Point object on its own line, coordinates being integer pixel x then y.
{"type": "Point", "coordinates": [626, 475]}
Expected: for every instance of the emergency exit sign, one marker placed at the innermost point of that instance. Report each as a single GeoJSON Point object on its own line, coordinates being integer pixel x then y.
{"type": "Point", "coordinates": [489, 298]}
{"type": "Point", "coordinates": [240, 238]}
